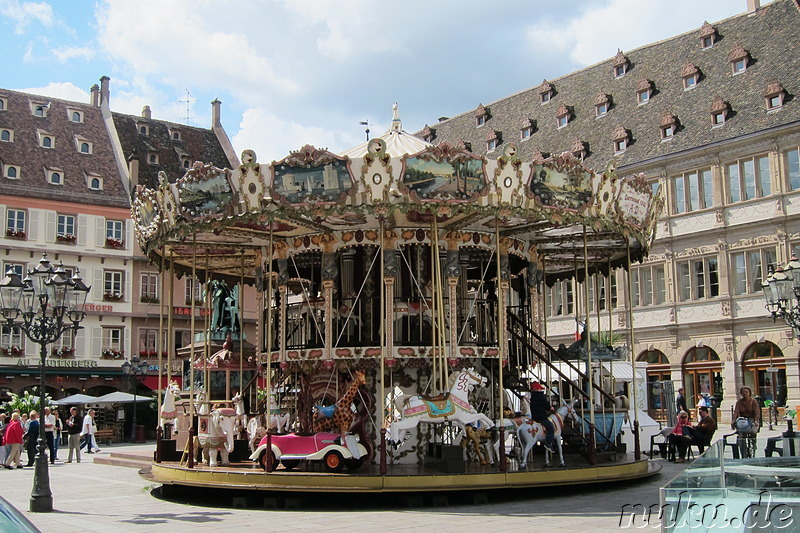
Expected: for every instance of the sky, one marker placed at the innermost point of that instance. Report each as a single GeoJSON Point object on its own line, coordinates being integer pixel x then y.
{"type": "Point", "coordinates": [297, 72]}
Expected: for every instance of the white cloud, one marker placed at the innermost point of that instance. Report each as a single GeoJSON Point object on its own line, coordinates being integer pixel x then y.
{"type": "Point", "coordinates": [63, 91]}
{"type": "Point", "coordinates": [84, 53]}
{"type": "Point", "coordinates": [596, 33]}
{"type": "Point", "coordinates": [24, 13]}
{"type": "Point", "coordinates": [272, 138]}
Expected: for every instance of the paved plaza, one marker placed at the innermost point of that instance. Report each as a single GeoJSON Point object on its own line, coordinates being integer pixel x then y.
{"type": "Point", "coordinates": [109, 499]}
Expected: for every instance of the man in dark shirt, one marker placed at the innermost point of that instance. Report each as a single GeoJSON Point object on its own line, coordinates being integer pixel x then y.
{"type": "Point", "coordinates": [700, 434]}
{"type": "Point", "coordinates": [680, 401]}
{"type": "Point", "coordinates": [540, 412]}
{"type": "Point", "coordinates": [74, 424]}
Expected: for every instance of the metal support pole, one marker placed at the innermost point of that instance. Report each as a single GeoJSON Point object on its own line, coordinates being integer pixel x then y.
{"type": "Point", "coordinates": [41, 496]}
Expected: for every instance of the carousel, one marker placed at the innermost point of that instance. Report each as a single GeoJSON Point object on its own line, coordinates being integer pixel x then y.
{"type": "Point", "coordinates": [396, 295]}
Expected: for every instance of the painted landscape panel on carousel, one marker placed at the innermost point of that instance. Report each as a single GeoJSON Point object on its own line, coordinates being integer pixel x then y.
{"type": "Point", "coordinates": [324, 183]}
{"type": "Point", "coordinates": [454, 178]}
{"type": "Point", "coordinates": [211, 195]}
{"type": "Point", "coordinates": [561, 185]}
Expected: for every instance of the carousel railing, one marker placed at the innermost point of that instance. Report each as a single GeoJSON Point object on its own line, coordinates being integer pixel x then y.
{"type": "Point", "coordinates": [305, 325]}
{"type": "Point", "coordinates": [604, 437]}
{"type": "Point", "coordinates": [356, 321]}
{"type": "Point", "coordinates": [477, 321]}
{"type": "Point", "coordinates": [413, 321]}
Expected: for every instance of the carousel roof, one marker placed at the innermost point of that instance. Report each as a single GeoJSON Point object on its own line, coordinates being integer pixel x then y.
{"type": "Point", "coordinates": [397, 190]}
{"type": "Point", "coordinates": [398, 141]}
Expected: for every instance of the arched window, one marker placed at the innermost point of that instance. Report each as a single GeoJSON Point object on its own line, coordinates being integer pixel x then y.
{"type": "Point", "coordinates": [47, 142]}
{"type": "Point", "coordinates": [84, 148]}
{"type": "Point", "coordinates": [658, 373]}
{"type": "Point", "coordinates": [11, 172]}
{"type": "Point", "coordinates": [5, 136]}
{"type": "Point", "coordinates": [702, 373]}
{"type": "Point", "coordinates": [76, 117]}
{"type": "Point", "coordinates": [764, 371]}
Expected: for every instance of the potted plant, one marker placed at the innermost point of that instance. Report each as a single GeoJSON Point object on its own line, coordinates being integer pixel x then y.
{"type": "Point", "coordinates": [15, 234]}
{"type": "Point", "coordinates": [66, 238]}
{"type": "Point", "coordinates": [111, 296]}
{"type": "Point", "coordinates": [145, 299]}
{"type": "Point", "coordinates": [113, 243]}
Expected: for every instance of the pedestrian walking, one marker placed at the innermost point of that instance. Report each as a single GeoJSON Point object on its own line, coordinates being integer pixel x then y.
{"type": "Point", "coordinates": [87, 431]}
{"type": "Point", "coordinates": [32, 436]}
{"type": "Point", "coordinates": [49, 421]}
{"type": "Point", "coordinates": [12, 437]}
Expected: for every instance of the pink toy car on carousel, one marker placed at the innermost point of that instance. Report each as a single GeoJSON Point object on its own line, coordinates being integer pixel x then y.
{"type": "Point", "coordinates": [335, 451]}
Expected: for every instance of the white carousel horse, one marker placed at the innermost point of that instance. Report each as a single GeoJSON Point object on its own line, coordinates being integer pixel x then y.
{"type": "Point", "coordinates": [219, 438]}
{"type": "Point", "coordinates": [453, 406]}
{"type": "Point", "coordinates": [200, 403]}
{"type": "Point", "coordinates": [255, 431]}
{"type": "Point", "coordinates": [238, 405]}
{"type": "Point", "coordinates": [278, 419]}
{"type": "Point", "coordinates": [168, 410]}
{"type": "Point", "coordinates": [532, 432]}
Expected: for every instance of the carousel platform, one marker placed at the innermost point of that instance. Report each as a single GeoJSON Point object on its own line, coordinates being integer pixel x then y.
{"type": "Point", "coordinates": [401, 478]}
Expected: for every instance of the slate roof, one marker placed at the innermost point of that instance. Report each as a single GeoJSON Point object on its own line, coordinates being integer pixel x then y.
{"type": "Point", "coordinates": [34, 160]}
{"type": "Point", "coordinates": [195, 144]}
{"type": "Point", "coordinates": [771, 36]}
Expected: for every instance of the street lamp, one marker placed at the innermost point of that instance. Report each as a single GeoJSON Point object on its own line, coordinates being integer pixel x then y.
{"type": "Point", "coordinates": [133, 370]}
{"type": "Point", "coordinates": [44, 305]}
{"type": "Point", "coordinates": [782, 293]}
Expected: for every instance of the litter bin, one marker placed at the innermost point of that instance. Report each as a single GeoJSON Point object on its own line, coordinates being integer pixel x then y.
{"type": "Point", "coordinates": [140, 433]}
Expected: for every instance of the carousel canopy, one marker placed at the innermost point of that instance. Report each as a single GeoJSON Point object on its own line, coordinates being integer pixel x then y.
{"type": "Point", "coordinates": [552, 214]}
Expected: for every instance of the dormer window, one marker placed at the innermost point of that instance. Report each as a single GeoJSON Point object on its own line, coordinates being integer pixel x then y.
{"type": "Point", "coordinates": [525, 133]}
{"type": "Point", "coordinates": [621, 65]}
{"type": "Point", "coordinates": [94, 182]}
{"type": "Point", "coordinates": [579, 149]}
{"type": "Point", "coordinates": [144, 129]}
{"type": "Point", "coordinates": [546, 92]}
{"type": "Point", "coordinates": [86, 147]}
{"type": "Point", "coordinates": [55, 177]}
{"type": "Point", "coordinates": [602, 102]}
{"type": "Point", "coordinates": [175, 135]}
{"type": "Point", "coordinates": [621, 140]}
{"type": "Point", "coordinates": [75, 116]}
{"type": "Point", "coordinates": [481, 116]}
{"type": "Point", "coordinates": [152, 158]}
{"type": "Point", "coordinates": [739, 59]}
{"type": "Point", "coordinates": [11, 172]}
{"type": "Point", "coordinates": [690, 75]}
{"type": "Point", "coordinates": [7, 136]}
{"type": "Point", "coordinates": [526, 128]}
{"type": "Point", "coordinates": [562, 116]}
{"type": "Point", "coordinates": [492, 140]}
{"type": "Point", "coordinates": [185, 163]}
{"type": "Point", "coordinates": [720, 110]}
{"type": "Point", "coordinates": [774, 96]}
{"type": "Point", "coordinates": [46, 141]}
{"type": "Point", "coordinates": [708, 36]}
{"type": "Point", "coordinates": [39, 110]}
{"type": "Point", "coordinates": [669, 124]}
{"type": "Point", "coordinates": [644, 90]}
{"type": "Point", "coordinates": [428, 134]}
{"type": "Point", "coordinates": [3, 103]}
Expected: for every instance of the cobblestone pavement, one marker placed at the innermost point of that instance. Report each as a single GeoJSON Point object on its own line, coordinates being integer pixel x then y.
{"type": "Point", "coordinates": [108, 499]}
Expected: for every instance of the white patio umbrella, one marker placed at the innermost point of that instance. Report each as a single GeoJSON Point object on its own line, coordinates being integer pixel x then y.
{"type": "Point", "coordinates": [76, 399]}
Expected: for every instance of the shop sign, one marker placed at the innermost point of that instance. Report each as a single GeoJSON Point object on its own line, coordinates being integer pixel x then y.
{"type": "Point", "coordinates": [59, 363]}
{"type": "Point", "coordinates": [99, 307]}
{"type": "Point", "coordinates": [187, 311]}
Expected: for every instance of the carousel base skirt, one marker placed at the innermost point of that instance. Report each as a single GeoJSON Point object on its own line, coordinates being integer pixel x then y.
{"type": "Point", "coordinates": [400, 478]}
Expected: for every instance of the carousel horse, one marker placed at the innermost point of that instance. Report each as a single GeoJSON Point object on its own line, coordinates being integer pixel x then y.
{"type": "Point", "coordinates": [338, 416]}
{"type": "Point", "coordinates": [219, 438]}
{"type": "Point", "coordinates": [241, 418]}
{"type": "Point", "coordinates": [532, 432]}
{"type": "Point", "coordinates": [255, 431]}
{"type": "Point", "coordinates": [168, 410]}
{"type": "Point", "coordinates": [201, 406]}
{"type": "Point", "coordinates": [452, 406]}
{"type": "Point", "coordinates": [479, 438]}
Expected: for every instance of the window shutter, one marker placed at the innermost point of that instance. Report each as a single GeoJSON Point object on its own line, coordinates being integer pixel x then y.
{"type": "Point", "coordinates": [129, 234]}
{"type": "Point", "coordinates": [50, 235]}
{"type": "Point", "coordinates": [100, 232]}
{"type": "Point", "coordinates": [80, 343]}
{"type": "Point", "coordinates": [33, 225]}
{"type": "Point", "coordinates": [128, 295]}
{"type": "Point", "coordinates": [97, 342]}
{"type": "Point", "coordinates": [3, 217]}
{"type": "Point", "coordinates": [97, 285]}
{"type": "Point", "coordinates": [83, 228]}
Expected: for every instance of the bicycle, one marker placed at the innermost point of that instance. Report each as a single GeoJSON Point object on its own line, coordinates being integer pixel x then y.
{"type": "Point", "coordinates": [746, 434]}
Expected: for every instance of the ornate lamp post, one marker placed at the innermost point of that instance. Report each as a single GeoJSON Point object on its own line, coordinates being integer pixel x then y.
{"type": "Point", "coordinates": [44, 305]}
{"type": "Point", "coordinates": [782, 293]}
{"type": "Point", "coordinates": [133, 370]}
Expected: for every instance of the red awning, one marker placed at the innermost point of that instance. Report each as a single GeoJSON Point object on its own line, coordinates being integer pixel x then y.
{"type": "Point", "coordinates": [151, 382]}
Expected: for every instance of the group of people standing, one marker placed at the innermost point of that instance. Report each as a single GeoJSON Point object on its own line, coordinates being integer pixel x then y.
{"type": "Point", "coordinates": [21, 431]}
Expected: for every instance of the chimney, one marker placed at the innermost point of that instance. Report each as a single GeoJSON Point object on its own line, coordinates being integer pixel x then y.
{"type": "Point", "coordinates": [753, 5]}
{"type": "Point", "coordinates": [215, 113]}
{"type": "Point", "coordinates": [94, 95]}
{"type": "Point", "coordinates": [104, 92]}
{"type": "Point", "coordinates": [146, 111]}
{"type": "Point", "coordinates": [133, 170]}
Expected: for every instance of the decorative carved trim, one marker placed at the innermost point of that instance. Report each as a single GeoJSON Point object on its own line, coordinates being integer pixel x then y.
{"type": "Point", "coordinates": [689, 69]}
{"type": "Point", "coordinates": [754, 241]}
{"type": "Point", "coordinates": [668, 119]}
{"type": "Point", "coordinates": [602, 98]}
{"type": "Point", "coordinates": [545, 87]}
{"type": "Point", "coordinates": [707, 30]}
{"type": "Point", "coordinates": [620, 133]}
{"type": "Point", "coordinates": [481, 111]}
{"type": "Point", "coordinates": [699, 250]}
{"type": "Point", "coordinates": [738, 52]}
{"type": "Point", "coordinates": [774, 89]}
{"type": "Point", "coordinates": [644, 85]}
{"type": "Point", "coordinates": [620, 59]}
{"type": "Point", "coordinates": [719, 104]}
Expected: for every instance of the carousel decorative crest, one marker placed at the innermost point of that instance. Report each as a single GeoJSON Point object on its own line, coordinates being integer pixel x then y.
{"type": "Point", "coordinates": [634, 202]}
{"type": "Point", "coordinates": [146, 214]}
{"type": "Point", "coordinates": [561, 182]}
{"type": "Point", "coordinates": [311, 176]}
{"type": "Point", "coordinates": [443, 172]}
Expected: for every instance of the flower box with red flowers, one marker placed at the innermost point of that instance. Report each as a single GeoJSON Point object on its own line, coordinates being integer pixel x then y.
{"type": "Point", "coordinates": [15, 234]}
{"type": "Point", "coordinates": [149, 299]}
{"type": "Point", "coordinates": [68, 239]}
{"type": "Point", "coordinates": [109, 353]}
{"type": "Point", "coordinates": [63, 352]}
{"type": "Point", "coordinates": [112, 296]}
{"type": "Point", "coordinates": [113, 243]}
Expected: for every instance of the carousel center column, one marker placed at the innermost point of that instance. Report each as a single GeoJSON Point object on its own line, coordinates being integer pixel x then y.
{"type": "Point", "coordinates": [329, 273]}
{"type": "Point", "coordinates": [283, 290]}
{"type": "Point", "coordinates": [452, 272]}
{"type": "Point", "coordinates": [391, 268]}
